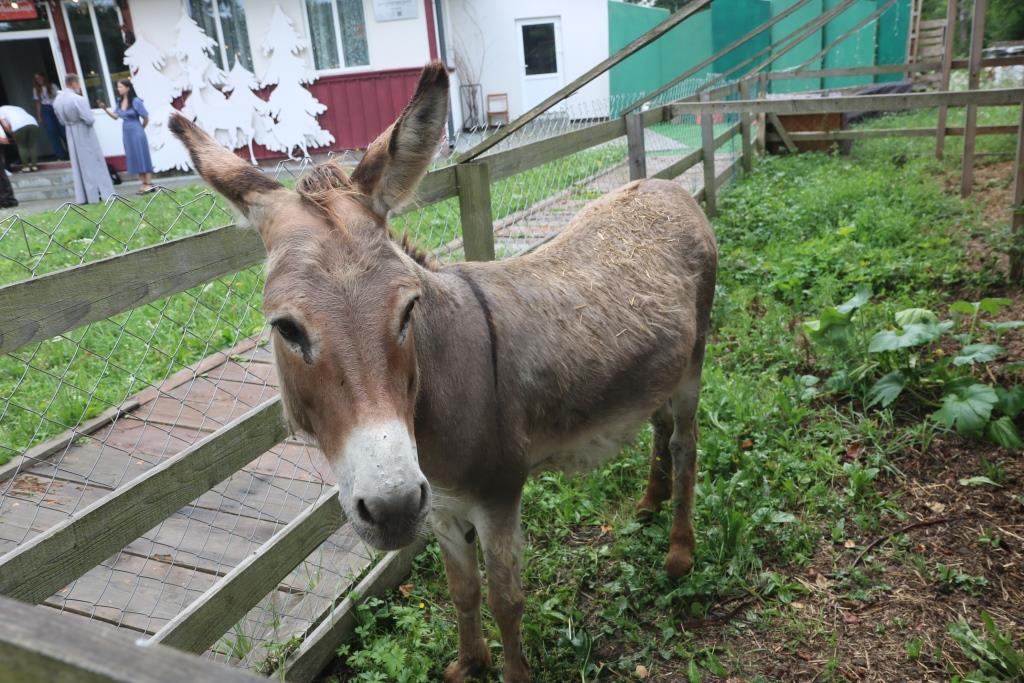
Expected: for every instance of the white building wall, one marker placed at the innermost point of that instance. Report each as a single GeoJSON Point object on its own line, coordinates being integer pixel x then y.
{"type": "Point", "coordinates": [392, 44]}
{"type": "Point", "coordinates": [485, 36]}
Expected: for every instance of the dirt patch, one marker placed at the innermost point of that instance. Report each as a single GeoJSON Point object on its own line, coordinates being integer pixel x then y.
{"type": "Point", "coordinates": [877, 606]}
{"type": "Point", "coordinates": [993, 194]}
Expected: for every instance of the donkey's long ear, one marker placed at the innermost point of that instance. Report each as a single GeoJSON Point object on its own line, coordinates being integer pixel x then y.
{"type": "Point", "coordinates": [395, 162]}
{"type": "Point", "coordinates": [240, 183]}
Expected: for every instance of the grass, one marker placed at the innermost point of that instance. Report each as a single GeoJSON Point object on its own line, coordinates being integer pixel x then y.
{"type": "Point", "coordinates": [48, 387]}
{"type": "Point", "coordinates": [792, 483]}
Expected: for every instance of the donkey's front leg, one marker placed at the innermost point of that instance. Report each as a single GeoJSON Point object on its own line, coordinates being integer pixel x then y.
{"type": "Point", "coordinates": [457, 539]}
{"type": "Point", "coordinates": [683, 447]}
{"type": "Point", "coordinates": [502, 539]}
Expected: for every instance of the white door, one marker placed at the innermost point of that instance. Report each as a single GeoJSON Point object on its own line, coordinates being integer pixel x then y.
{"type": "Point", "coordinates": [540, 44]}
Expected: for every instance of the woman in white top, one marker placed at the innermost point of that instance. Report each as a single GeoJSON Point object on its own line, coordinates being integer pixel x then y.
{"type": "Point", "coordinates": [43, 92]}
{"type": "Point", "coordinates": [19, 123]}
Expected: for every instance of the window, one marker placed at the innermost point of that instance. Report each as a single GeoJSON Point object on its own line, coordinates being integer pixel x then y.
{"type": "Point", "coordinates": [337, 31]}
{"type": "Point", "coordinates": [539, 49]}
{"type": "Point", "coordinates": [224, 21]}
{"type": "Point", "coordinates": [98, 44]}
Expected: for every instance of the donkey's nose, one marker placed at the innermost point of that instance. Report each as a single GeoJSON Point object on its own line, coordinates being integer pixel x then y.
{"type": "Point", "coordinates": [395, 505]}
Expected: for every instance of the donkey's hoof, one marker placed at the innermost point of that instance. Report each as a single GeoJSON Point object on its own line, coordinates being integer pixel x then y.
{"type": "Point", "coordinates": [461, 671]}
{"type": "Point", "coordinates": [679, 563]}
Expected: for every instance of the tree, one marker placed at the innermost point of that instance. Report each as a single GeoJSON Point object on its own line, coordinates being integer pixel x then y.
{"type": "Point", "coordinates": [248, 113]}
{"type": "Point", "coordinates": [146, 63]}
{"type": "Point", "coordinates": [292, 106]}
{"type": "Point", "coordinates": [205, 103]}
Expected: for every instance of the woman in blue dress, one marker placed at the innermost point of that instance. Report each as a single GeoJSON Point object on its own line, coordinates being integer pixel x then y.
{"type": "Point", "coordinates": [131, 109]}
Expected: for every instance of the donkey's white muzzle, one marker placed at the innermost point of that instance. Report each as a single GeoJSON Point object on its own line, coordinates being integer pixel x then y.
{"type": "Point", "coordinates": [383, 491]}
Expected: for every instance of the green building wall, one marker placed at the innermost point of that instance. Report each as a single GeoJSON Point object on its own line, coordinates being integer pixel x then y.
{"type": "Point", "coordinates": [883, 41]}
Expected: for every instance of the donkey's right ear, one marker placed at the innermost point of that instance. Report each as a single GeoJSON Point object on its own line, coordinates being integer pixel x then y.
{"type": "Point", "coordinates": [396, 161]}
{"type": "Point", "coordinates": [240, 183]}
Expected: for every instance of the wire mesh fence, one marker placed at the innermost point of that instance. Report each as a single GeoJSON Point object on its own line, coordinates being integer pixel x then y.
{"type": "Point", "coordinates": [87, 411]}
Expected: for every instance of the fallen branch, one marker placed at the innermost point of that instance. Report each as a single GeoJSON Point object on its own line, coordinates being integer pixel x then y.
{"type": "Point", "coordinates": [901, 530]}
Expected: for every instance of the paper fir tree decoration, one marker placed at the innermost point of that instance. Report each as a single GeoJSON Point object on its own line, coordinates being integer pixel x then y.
{"type": "Point", "coordinates": [205, 103]}
{"type": "Point", "coordinates": [292, 106]}
{"type": "Point", "coordinates": [248, 113]}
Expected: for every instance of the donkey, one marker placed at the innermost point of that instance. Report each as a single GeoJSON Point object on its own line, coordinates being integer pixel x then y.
{"type": "Point", "coordinates": [434, 392]}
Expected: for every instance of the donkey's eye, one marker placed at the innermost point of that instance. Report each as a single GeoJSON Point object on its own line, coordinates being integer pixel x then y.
{"type": "Point", "coordinates": [291, 331]}
{"type": "Point", "coordinates": [403, 330]}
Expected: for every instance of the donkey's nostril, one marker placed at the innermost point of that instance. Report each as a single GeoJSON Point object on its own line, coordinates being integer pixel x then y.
{"type": "Point", "coordinates": [364, 512]}
{"type": "Point", "coordinates": [424, 497]}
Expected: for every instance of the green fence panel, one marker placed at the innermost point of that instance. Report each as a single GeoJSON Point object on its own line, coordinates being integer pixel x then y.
{"type": "Point", "coordinates": [731, 19]}
{"type": "Point", "coordinates": [857, 50]}
{"type": "Point", "coordinates": [802, 52]}
{"type": "Point", "coordinates": [893, 26]}
{"type": "Point", "coordinates": [658, 63]}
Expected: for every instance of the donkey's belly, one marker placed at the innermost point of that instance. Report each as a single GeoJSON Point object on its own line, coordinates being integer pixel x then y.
{"type": "Point", "coordinates": [587, 448]}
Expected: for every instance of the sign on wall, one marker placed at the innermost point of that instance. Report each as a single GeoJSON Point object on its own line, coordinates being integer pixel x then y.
{"type": "Point", "coordinates": [394, 10]}
{"type": "Point", "coordinates": [11, 10]}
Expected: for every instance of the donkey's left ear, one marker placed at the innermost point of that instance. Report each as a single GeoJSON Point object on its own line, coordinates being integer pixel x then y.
{"type": "Point", "coordinates": [396, 161]}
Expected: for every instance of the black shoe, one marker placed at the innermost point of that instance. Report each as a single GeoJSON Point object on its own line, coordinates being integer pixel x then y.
{"type": "Point", "coordinates": [9, 205]}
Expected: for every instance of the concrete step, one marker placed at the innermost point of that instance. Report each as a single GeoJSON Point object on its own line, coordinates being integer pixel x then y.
{"type": "Point", "coordinates": [43, 185]}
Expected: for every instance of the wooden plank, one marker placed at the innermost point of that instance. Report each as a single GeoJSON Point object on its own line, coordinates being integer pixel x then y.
{"type": "Point", "coordinates": [747, 156]}
{"type": "Point", "coordinates": [781, 131]}
{"type": "Point", "coordinates": [203, 622]}
{"type": "Point", "coordinates": [846, 34]}
{"type": "Point", "coordinates": [726, 135]}
{"type": "Point", "coordinates": [1017, 210]}
{"type": "Point", "coordinates": [762, 122]}
{"type": "Point", "coordinates": [853, 71]}
{"type": "Point", "coordinates": [896, 132]}
{"type": "Point", "coordinates": [642, 41]}
{"type": "Point", "coordinates": [46, 563]}
{"type": "Point", "coordinates": [38, 645]}
{"type": "Point", "coordinates": [714, 58]}
{"type": "Point", "coordinates": [680, 167]}
{"type": "Point", "coordinates": [132, 592]}
{"type": "Point", "coordinates": [855, 103]}
{"type": "Point", "coordinates": [42, 307]}
{"type": "Point", "coordinates": [475, 211]}
{"type": "Point", "coordinates": [1016, 60]}
{"type": "Point", "coordinates": [635, 146]}
{"type": "Point", "coordinates": [319, 647]}
{"type": "Point", "coordinates": [947, 66]}
{"type": "Point", "coordinates": [436, 186]}
{"type": "Point", "coordinates": [783, 46]}
{"type": "Point", "coordinates": [707, 145]}
{"type": "Point", "coordinates": [973, 80]}
{"type": "Point", "coordinates": [509, 162]}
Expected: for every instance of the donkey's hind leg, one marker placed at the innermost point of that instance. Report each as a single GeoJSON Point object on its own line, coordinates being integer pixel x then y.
{"type": "Point", "coordinates": [683, 447]}
{"type": "Point", "coordinates": [659, 479]}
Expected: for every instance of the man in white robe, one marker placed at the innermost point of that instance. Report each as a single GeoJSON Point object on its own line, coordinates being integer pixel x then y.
{"type": "Point", "coordinates": [88, 167]}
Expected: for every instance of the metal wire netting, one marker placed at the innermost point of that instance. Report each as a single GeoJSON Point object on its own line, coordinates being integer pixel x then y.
{"type": "Point", "coordinates": [85, 412]}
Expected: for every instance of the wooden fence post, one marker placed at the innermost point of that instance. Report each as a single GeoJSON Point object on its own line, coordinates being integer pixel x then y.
{"type": "Point", "coordinates": [762, 122]}
{"type": "Point", "coordinates": [707, 145]}
{"type": "Point", "coordinates": [747, 157]}
{"type": "Point", "coordinates": [947, 65]}
{"type": "Point", "coordinates": [1017, 217]}
{"type": "Point", "coordinates": [635, 143]}
{"type": "Point", "coordinates": [474, 183]}
{"type": "Point", "coordinates": [973, 78]}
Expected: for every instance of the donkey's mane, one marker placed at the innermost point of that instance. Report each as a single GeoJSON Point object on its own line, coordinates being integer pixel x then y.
{"type": "Point", "coordinates": [414, 250]}
{"type": "Point", "coordinates": [326, 180]}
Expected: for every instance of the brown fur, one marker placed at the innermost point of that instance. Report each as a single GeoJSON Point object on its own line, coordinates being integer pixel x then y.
{"type": "Point", "coordinates": [548, 360]}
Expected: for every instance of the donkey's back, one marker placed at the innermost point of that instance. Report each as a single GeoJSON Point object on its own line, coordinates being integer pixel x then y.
{"type": "Point", "coordinates": [602, 324]}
